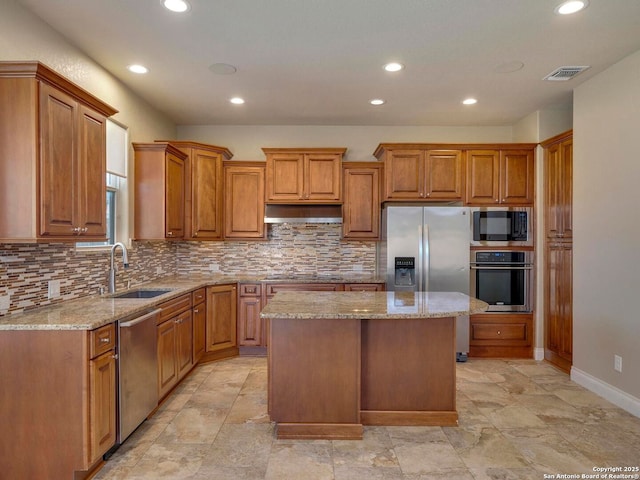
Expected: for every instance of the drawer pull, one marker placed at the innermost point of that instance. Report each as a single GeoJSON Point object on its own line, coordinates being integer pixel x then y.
{"type": "Point", "coordinates": [105, 340]}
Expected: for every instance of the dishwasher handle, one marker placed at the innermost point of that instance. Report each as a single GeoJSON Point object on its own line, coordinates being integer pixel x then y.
{"type": "Point", "coordinates": [141, 319]}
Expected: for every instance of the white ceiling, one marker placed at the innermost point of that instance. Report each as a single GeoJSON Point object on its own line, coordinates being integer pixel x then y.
{"type": "Point", "coordinates": [319, 62]}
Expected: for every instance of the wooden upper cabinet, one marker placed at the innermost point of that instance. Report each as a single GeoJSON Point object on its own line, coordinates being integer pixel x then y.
{"type": "Point", "coordinates": [421, 172]}
{"type": "Point", "coordinates": [53, 156]}
{"type": "Point", "coordinates": [244, 200]}
{"type": "Point", "coordinates": [304, 175]}
{"type": "Point", "coordinates": [203, 215]}
{"type": "Point", "coordinates": [500, 176]}
{"type": "Point", "coordinates": [558, 175]}
{"type": "Point", "coordinates": [361, 208]}
{"type": "Point", "coordinates": [159, 191]}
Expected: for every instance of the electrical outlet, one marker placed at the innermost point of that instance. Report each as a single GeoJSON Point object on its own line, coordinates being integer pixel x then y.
{"type": "Point", "coordinates": [5, 302]}
{"type": "Point", "coordinates": [617, 363]}
{"type": "Point", "coordinates": [214, 267]}
{"type": "Point", "coordinates": [159, 271]}
{"type": "Point", "coordinates": [54, 288]}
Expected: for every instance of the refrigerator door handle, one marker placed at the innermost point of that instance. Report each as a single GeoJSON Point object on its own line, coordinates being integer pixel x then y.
{"type": "Point", "coordinates": [419, 260]}
{"type": "Point", "coordinates": [427, 260]}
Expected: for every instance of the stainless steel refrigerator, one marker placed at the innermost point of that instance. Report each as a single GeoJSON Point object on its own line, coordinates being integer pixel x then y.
{"type": "Point", "coordinates": [427, 249]}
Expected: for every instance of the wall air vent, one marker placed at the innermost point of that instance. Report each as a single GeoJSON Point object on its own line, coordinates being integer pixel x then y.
{"type": "Point", "coordinates": [564, 73]}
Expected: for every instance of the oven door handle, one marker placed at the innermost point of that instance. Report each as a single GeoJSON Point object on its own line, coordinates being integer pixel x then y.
{"type": "Point", "coordinates": [477, 267]}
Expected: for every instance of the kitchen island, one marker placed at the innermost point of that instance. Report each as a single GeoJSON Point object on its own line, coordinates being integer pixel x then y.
{"type": "Point", "coordinates": [341, 360]}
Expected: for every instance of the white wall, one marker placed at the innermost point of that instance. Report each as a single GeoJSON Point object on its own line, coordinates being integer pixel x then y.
{"type": "Point", "coordinates": [607, 230]}
{"type": "Point", "coordinates": [245, 142]}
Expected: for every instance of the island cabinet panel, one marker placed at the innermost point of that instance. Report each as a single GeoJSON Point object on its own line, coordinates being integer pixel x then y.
{"type": "Point", "coordinates": [394, 353]}
{"type": "Point", "coordinates": [54, 147]}
{"type": "Point", "coordinates": [244, 201]}
{"type": "Point", "coordinates": [361, 208]}
{"type": "Point", "coordinates": [307, 175]}
{"type": "Point", "coordinates": [325, 404]}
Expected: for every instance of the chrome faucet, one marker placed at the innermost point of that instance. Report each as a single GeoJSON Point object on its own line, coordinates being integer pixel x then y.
{"type": "Point", "coordinates": [112, 269]}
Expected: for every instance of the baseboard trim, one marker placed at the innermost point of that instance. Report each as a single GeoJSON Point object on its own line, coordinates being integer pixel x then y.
{"type": "Point", "coordinates": [538, 354]}
{"type": "Point", "coordinates": [616, 396]}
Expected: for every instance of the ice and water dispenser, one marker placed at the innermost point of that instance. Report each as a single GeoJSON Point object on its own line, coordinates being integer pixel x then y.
{"type": "Point", "coordinates": [405, 274]}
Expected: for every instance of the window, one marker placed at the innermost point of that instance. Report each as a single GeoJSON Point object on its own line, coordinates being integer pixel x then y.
{"type": "Point", "coordinates": [116, 198]}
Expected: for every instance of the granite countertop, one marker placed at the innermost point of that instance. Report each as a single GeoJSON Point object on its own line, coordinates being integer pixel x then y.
{"type": "Point", "coordinates": [88, 313]}
{"type": "Point", "coordinates": [371, 305]}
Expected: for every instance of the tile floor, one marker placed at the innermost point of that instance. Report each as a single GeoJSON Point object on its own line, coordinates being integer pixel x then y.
{"type": "Point", "coordinates": [519, 420]}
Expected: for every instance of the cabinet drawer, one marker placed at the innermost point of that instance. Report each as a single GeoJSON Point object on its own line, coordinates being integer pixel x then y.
{"type": "Point", "coordinates": [499, 331]}
{"type": "Point", "coordinates": [174, 307]}
{"type": "Point", "coordinates": [198, 296]}
{"type": "Point", "coordinates": [102, 340]}
{"type": "Point", "coordinates": [364, 287]}
{"type": "Point", "coordinates": [250, 290]}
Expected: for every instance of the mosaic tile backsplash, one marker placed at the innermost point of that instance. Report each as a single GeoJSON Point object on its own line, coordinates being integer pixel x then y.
{"type": "Point", "coordinates": [302, 249]}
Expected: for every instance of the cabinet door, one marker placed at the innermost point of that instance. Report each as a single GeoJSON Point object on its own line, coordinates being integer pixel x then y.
{"type": "Point", "coordinates": [199, 331]}
{"type": "Point", "coordinates": [483, 174]}
{"type": "Point", "coordinates": [174, 201]}
{"type": "Point", "coordinates": [167, 365]}
{"type": "Point", "coordinates": [558, 302]}
{"type": "Point", "coordinates": [102, 401]}
{"type": "Point", "coordinates": [249, 321]}
{"type": "Point", "coordinates": [184, 343]}
{"type": "Point", "coordinates": [553, 191]}
{"type": "Point", "coordinates": [284, 177]}
{"type": "Point", "coordinates": [361, 209]}
{"type": "Point", "coordinates": [244, 203]}
{"type": "Point", "coordinates": [404, 175]}
{"type": "Point", "coordinates": [92, 169]}
{"type": "Point", "coordinates": [516, 177]}
{"type": "Point", "coordinates": [59, 192]}
{"type": "Point", "coordinates": [206, 195]}
{"type": "Point", "coordinates": [322, 177]}
{"type": "Point", "coordinates": [443, 175]}
{"type": "Point", "coordinates": [221, 317]}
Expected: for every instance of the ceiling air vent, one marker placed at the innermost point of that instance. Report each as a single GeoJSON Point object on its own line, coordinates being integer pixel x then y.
{"type": "Point", "coordinates": [564, 73]}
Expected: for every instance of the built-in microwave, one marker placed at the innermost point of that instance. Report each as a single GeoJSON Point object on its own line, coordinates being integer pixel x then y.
{"type": "Point", "coordinates": [501, 226]}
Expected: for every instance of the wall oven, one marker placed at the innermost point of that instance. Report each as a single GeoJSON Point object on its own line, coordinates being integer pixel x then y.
{"type": "Point", "coordinates": [501, 226]}
{"type": "Point", "coordinates": [503, 279]}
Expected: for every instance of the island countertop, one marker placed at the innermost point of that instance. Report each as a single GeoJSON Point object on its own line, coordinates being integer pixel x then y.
{"type": "Point", "coordinates": [371, 305]}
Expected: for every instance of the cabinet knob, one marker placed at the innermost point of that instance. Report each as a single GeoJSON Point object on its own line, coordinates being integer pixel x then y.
{"type": "Point", "coordinates": [499, 332]}
{"type": "Point", "coordinates": [76, 230]}
{"type": "Point", "coordinates": [169, 234]}
{"type": "Point", "coordinates": [84, 229]}
{"type": "Point", "coordinates": [195, 234]}
{"type": "Point", "coordinates": [195, 310]}
{"type": "Point", "coordinates": [497, 200]}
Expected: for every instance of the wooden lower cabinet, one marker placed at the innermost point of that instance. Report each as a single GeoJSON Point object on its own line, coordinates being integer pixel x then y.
{"type": "Point", "coordinates": [199, 312]}
{"type": "Point", "coordinates": [175, 343]}
{"type": "Point", "coordinates": [558, 305]}
{"type": "Point", "coordinates": [221, 326]}
{"type": "Point", "coordinates": [501, 335]}
{"type": "Point", "coordinates": [250, 325]}
{"type": "Point", "coordinates": [58, 401]}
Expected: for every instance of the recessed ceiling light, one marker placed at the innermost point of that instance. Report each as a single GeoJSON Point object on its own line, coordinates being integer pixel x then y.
{"type": "Point", "coordinates": [376, 101]}
{"type": "Point", "coordinates": [178, 6]}
{"type": "Point", "coordinates": [135, 68]}
{"type": "Point", "coordinates": [469, 101]}
{"type": "Point", "coordinates": [237, 100]}
{"type": "Point", "coordinates": [572, 6]}
{"type": "Point", "coordinates": [393, 67]}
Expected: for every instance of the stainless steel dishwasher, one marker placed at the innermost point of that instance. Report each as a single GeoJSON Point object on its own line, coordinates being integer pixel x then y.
{"type": "Point", "coordinates": [137, 372]}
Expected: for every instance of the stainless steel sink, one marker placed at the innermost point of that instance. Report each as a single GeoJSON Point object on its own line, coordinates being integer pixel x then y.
{"type": "Point", "coordinates": [139, 293]}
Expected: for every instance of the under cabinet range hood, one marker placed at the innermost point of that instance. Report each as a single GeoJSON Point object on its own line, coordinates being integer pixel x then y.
{"type": "Point", "coordinates": [276, 213]}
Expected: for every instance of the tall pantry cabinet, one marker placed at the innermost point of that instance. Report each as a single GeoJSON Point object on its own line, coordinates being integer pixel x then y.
{"type": "Point", "coordinates": [558, 281]}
